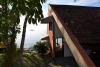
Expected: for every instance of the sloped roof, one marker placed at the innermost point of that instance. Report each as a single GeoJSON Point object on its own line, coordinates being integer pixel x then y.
{"type": "Point", "coordinates": [45, 38]}
{"type": "Point", "coordinates": [83, 22]}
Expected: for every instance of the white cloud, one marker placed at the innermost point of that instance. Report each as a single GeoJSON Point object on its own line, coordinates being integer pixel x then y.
{"type": "Point", "coordinates": [45, 13]}
{"type": "Point", "coordinates": [87, 3]}
{"type": "Point", "coordinates": [58, 1]}
{"type": "Point", "coordinates": [79, 2]}
{"type": "Point", "coordinates": [45, 5]}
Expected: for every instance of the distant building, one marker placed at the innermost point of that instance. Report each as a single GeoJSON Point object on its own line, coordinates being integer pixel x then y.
{"type": "Point", "coordinates": [76, 29]}
{"type": "Point", "coordinates": [27, 50]}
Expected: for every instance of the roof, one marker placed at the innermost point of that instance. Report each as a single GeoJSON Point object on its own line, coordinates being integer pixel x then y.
{"type": "Point", "coordinates": [45, 38]}
{"type": "Point", "coordinates": [83, 22]}
{"type": "Point", "coordinates": [47, 19]}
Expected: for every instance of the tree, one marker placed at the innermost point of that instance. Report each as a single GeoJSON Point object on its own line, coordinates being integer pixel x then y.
{"type": "Point", "coordinates": [9, 21]}
{"type": "Point", "coordinates": [32, 9]}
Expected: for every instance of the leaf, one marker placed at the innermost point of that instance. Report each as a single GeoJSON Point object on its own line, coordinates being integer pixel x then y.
{"type": "Point", "coordinates": [31, 13]}
{"type": "Point", "coordinates": [42, 1]}
{"type": "Point", "coordinates": [27, 10]}
{"type": "Point", "coordinates": [29, 20]}
{"type": "Point", "coordinates": [22, 9]}
{"type": "Point", "coordinates": [39, 19]}
{"type": "Point", "coordinates": [33, 21]}
{"type": "Point", "coordinates": [18, 20]}
{"type": "Point", "coordinates": [39, 5]}
{"type": "Point", "coordinates": [42, 16]}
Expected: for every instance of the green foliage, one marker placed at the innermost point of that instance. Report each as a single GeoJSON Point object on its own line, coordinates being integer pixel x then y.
{"type": "Point", "coordinates": [0, 38]}
{"type": "Point", "coordinates": [10, 56]}
{"type": "Point", "coordinates": [9, 20]}
{"type": "Point", "coordinates": [33, 12]}
{"type": "Point", "coordinates": [41, 48]}
{"type": "Point", "coordinates": [32, 8]}
{"type": "Point", "coordinates": [10, 11]}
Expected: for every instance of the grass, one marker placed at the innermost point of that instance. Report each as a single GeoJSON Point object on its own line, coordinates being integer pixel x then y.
{"type": "Point", "coordinates": [1, 59]}
{"type": "Point", "coordinates": [34, 60]}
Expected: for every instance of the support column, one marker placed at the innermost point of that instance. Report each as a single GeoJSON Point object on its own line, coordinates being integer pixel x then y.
{"type": "Point", "coordinates": [54, 43]}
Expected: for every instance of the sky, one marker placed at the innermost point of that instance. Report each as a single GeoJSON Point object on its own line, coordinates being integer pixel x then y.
{"type": "Point", "coordinates": [94, 3]}
{"type": "Point", "coordinates": [34, 33]}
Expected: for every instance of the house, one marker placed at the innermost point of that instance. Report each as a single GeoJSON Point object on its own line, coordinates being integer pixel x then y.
{"type": "Point", "coordinates": [76, 28]}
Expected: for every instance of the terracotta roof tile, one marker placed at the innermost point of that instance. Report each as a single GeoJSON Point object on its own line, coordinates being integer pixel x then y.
{"type": "Point", "coordinates": [83, 22]}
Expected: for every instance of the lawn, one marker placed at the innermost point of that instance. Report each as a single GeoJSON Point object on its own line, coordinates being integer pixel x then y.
{"type": "Point", "coordinates": [34, 60]}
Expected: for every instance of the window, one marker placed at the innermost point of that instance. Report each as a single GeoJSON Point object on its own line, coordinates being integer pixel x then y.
{"type": "Point", "coordinates": [59, 41]}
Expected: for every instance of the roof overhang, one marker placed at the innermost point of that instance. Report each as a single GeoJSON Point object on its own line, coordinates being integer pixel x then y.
{"type": "Point", "coordinates": [45, 38]}
{"type": "Point", "coordinates": [47, 19]}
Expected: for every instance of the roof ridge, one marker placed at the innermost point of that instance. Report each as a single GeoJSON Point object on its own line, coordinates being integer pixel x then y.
{"type": "Point", "coordinates": [73, 5]}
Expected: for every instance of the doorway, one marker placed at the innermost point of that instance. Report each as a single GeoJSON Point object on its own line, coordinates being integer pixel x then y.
{"type": "Point", "coordinates": [59, 47]}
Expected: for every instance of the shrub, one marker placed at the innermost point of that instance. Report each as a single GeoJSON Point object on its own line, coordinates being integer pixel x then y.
{"type": "Point", "coordinates": [41, 48]}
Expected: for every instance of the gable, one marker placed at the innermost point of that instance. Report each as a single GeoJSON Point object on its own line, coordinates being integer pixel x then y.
{"type": "Point", "coordinates": [82, 21]}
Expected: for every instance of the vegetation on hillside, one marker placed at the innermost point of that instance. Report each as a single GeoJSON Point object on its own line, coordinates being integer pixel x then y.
{"type": "Point", "coordinates": [41, 48]}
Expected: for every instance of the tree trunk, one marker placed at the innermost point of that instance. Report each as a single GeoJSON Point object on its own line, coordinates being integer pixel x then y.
{"type": "Point", "coordinates": [10, 51]}
{"type": "Point", "coordinates": [22, 41]}
{"type": "Point", "coordinates": [5, 41]}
